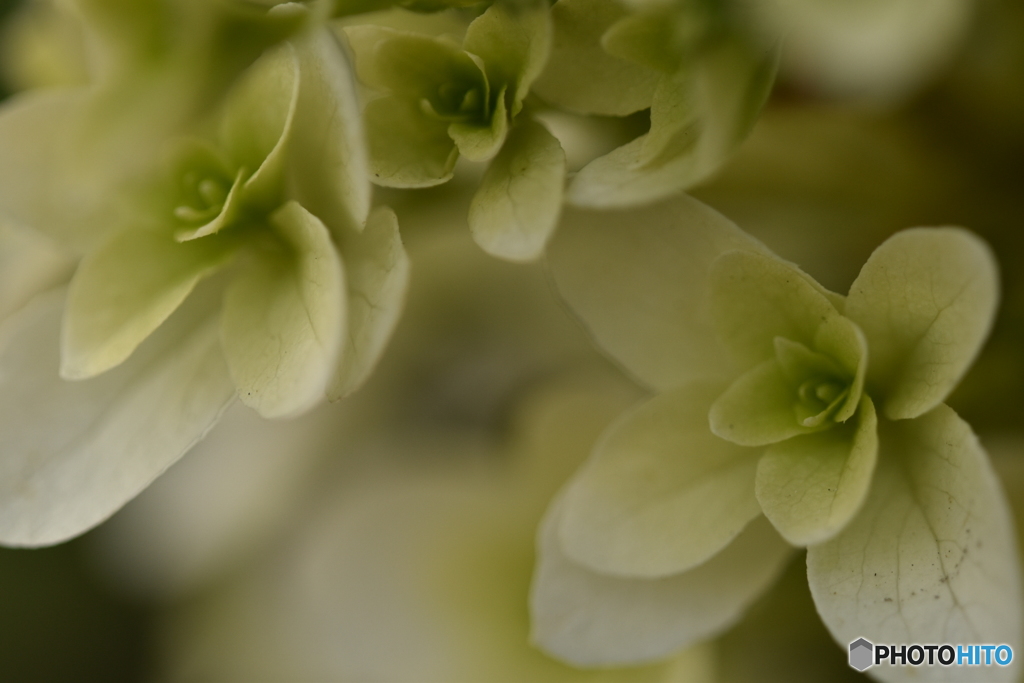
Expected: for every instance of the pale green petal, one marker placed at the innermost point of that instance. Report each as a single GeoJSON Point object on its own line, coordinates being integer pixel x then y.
{"type": "Point", "coordinates": [410, 64]}
{"type": "Point", "coordinates": [660, 493]}
{"type": "Point", "coordinates": [514, 40]}
{"type": "Point", "coordinates": [407, 149]}
{"type": "Point", "coordinates": [35, 131]}
{"type": "Point", "coordinates": [520, 198]}
{"type": "Point", "coordinates": [580, 76]}
{"type": "Point", "coordinates": [591, 619]}
{"type": "Point", "coordinates": [328, 160]}
{"type": "Point", "coordinates": [675, 123]}
{"type": "Point", "coordinates": [479, 142]}
{"type": "Point", "coordinates": [284, 318]}
{"type": "Point", "coordinates": [758, 408]}
{"type": "Point", "coordinates": [377, 273]}
{"type": "Point", "coordinates": [931, 558]}
{"type": "Point", "coordinates": [74, 452]}
{"type": "Point", "coordinates": [926, 300]}
{"type": "Point", "coordinates": [257, 120]}
{"type": "Point", "coordinates": [124, 290]}
{"type": "Point", "coordinates": [811, 486]}
{"type": "Point", "coordinates": [757, 297]}
{"type": "Point", "coordinates": [659, 37]}
{"type": "Point", "coordinates": [639, 280]}
{"type": "Point", "coordinates": [698, 119]}
{"type": "Point", "coordinates": [30, 263]}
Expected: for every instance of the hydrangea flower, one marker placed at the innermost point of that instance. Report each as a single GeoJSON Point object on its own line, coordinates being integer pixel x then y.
{"type": "Point", "coordinates": [704, 79]}
{"type": "Point", "coordinates": [775, 396]}
{"type": "Point", "coordinates": [249, 264]}
{"type": "Point", "coordinates": [439, 100]}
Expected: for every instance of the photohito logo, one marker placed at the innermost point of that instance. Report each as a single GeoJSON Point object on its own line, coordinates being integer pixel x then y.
{"type": "Point", "coordinates": [864, 654]}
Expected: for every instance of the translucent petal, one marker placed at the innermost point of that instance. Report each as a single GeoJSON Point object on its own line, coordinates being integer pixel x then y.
{"type": "Point", "coordinates": [591, 619]}
{"type": "Point", "coordinates": [699, 117]}
{"type": "Point", "coordinates": [811, 486]}
{"type": "Point", "coordinates": [758, 297]}
{"type": "Point", "coordinates": [660, 36]}
{"type": "Point", "coordinates": [30, 263]}
{"type": "Point", "coordinates": [660, 493]}
{"type": "Point", "coordinates": [758, 408]}
{"type": "Point", "coordinates": [328, 160]}
{"type": "Point", "coordinates": [407, 149]}
{"type": "Point", "coordinates": [520, 198]}
{"type": "Point", "coordinates": [409, 64]}
{"type": "Point", "coordinates": [926, 300]}
{"type": "Point", "coordinates": [125, 289]}
{"type": "Point", "coordinates": [74, 452]}
{"type": "Point", "coordinates": [580, 76]}
{"type": "Point", "coordinates": [377, 273]}
{"type": "Point", "coordinates": [639, 281]}
{"type": "Point", "coordinates": [257, 121]}
{"type": "Point", "coordinates": [931, 557]}
{"type": "Point", "coordinates": [284, 318]}
{"type": "Point", "coordinates": [36, 130]}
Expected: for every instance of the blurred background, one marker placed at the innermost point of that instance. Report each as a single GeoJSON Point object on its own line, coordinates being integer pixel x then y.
{"type": "Point", "coordinates": [389, 537]}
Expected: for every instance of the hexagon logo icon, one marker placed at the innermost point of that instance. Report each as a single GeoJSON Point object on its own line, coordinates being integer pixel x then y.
{"type": "Point", "coordinates": [861, 654]}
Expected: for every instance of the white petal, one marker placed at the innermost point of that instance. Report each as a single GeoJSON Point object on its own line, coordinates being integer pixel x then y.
{"type": "Point", "coordinates": [377, 269]}
{"type": "Point", "coordinates": [35, 188]}
{"type": "Point", "coordinates": [639, 280]}
{"type": "Point", "coordinates": [661, 493]}
{"type": "Point", "coordinates": [932, 556]}
{"type": "Point", "coordinates": [74, 452]}
{"type": "Point", "coordinates": [329, 169]}
{"type": "Point", "coordinates": [591, 619]}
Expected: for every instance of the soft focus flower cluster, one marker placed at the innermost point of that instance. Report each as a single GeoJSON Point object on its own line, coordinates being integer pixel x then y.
{"type": "Point", "coordinates": [515, 340]}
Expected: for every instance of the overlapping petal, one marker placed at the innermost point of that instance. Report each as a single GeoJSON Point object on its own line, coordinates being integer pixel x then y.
{"type": "Point", "coordinates": [810, 486]}
{"type": "Point", "coordinates": [327, 158]}
{"type": "Point", "coordinates": [513, 40]}
{"type": "Point", "coordinates": [758, 408]}
{"type": "Point", "coordinates": [74, 452]}
{"type": "Point", "coordinates": [593, 619]}
{"type": "Point", "coordinates": [35, 134]}
{"type": "Point", "coordinates": [699, 116]}
{"type": "Point", "coordinates": [407, 149]}
{"type": "Point", "coordinates": [256, 126]}
{"type": "Point", "coordinates": [520, 198]}
{"type": "Point", "coordinates": [757, 297]}
{"type": "Point", "coordinates": [284, 317]}
{"type": "Point", "coordinates": [931, 558]}
{"type": "Point", "coordinates": [639, 280]}
{"type": "Point", "coordinates": [377, 275]}
{"type": "Point", "coordinates": [582, 77]}
{"type": "Point", "coordinates": [660, 493]}
{"type": "Point", "coordinates": [926, 300]}
{"type": "Point", "coordinates": [124, 290]}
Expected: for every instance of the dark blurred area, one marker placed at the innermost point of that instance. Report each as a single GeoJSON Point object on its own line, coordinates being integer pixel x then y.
{"type": "Point", "coordinates": [59, 623]}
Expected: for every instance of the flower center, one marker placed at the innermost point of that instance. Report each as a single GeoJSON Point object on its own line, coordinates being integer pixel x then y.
{"type": "Point", "coordinates": [818, 399]}
{"type": "Point", "coordinates": [456, 102]}
{"type": "Point", "coordinates": [204, 197]}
